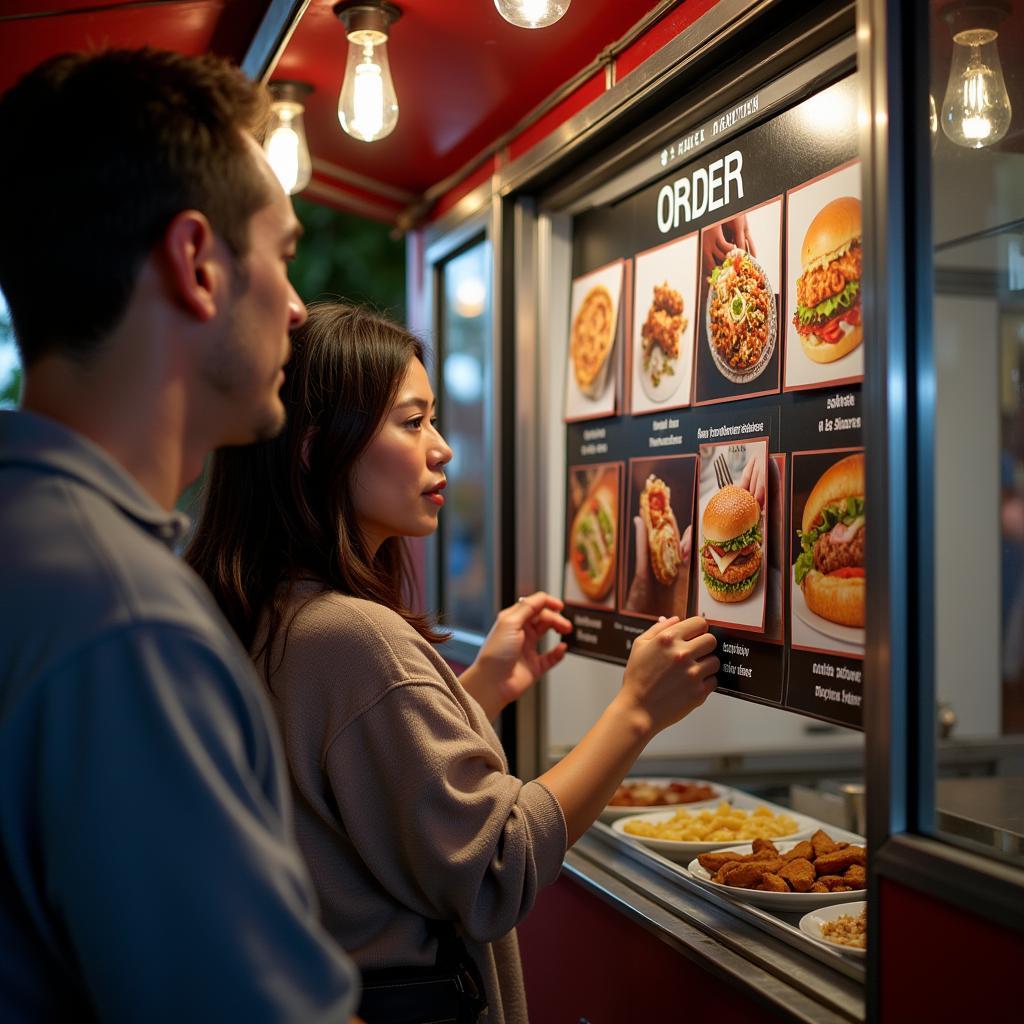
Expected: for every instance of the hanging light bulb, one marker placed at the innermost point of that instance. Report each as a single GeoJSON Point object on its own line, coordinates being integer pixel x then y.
{"type": "Point", "coordinates": [976, 110]}
{"type": "Point", "coordinates": [532, 13]}
{"type": "Point", "coordinates": [285, 141]}
{"type": "Point", "coordinates": [367, 106]}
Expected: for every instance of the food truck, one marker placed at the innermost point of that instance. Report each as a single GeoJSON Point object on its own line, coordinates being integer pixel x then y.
{"type": "Point", "coordinates": [726, 301]}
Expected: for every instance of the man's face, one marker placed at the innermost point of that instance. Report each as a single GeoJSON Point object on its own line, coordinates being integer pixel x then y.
{"type": "Point", "coordinates": [247, 366]}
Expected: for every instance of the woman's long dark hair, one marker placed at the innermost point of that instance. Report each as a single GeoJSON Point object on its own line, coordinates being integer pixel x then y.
{"type": "Point", "coordinates": [282, 511]}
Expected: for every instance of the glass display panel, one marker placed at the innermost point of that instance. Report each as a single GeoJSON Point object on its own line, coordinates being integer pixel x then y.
{"type": "Point", "coordinates": [977, 137]}
{"type": "Point", "coordinates": [464, 387]}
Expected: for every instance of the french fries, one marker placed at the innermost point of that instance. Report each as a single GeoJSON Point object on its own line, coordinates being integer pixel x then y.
{"type": "Point", "coordinates": [723, 823]}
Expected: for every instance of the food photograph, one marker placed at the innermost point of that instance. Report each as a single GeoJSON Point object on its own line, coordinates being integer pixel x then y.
{"type": "Point", "coordinates": [829, 584]}
{"type": "Point", "coordinates": [685, 832]}
{"type": "Point", "coordinates": [794, 875]}
{"type": "Point", "coordinates": [661, 793]}
{"type": "Point", "coordinates": [732, 529]}
{"type": "Point", "coordinates": [592, 547]}
{"type": "Point", "coordinates": [739, 355]}
{"type": "Point", "coordinates": [664, 299]}
{"type": "Point", "coordinates": [823, 328]}
{"type": "Point", "coordinates": [593, 348]}
{"type": "Point", "coordinates": [658, 536]}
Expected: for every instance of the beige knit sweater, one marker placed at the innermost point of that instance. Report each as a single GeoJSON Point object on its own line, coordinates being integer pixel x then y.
{"type": "Point", "coordinates": [404, 807]}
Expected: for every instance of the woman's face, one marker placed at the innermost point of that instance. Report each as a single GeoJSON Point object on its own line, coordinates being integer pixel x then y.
{"type": "Point", "coordinates": [397, 483]}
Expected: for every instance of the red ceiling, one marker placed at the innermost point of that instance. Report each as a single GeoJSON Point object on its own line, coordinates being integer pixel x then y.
{"type": "Point", "coordinates": [463, 75]}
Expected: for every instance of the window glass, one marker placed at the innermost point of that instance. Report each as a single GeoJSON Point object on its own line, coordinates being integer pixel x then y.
{"type": "Point", "coordinates": [464, 387]}
{"type": "Point", "coordinates": [977, 87]}
{"type": "Point", "coordinates": [10, 364]}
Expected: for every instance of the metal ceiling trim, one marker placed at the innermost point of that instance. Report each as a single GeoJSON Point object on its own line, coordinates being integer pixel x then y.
{"type": "Point", "coordinates": [603, 62]}
{"type": "Point", "coordinates": [670, 61]}
{"type": "Point", "coordinates": [354, 204]}
{"type": "Point", "coordinates": [275, 30]}
{"type": "Point", "coordinates": [339, 173]}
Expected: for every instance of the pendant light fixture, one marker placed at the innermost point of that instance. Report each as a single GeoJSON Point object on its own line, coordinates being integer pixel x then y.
{"type": "Point", "coordinates": [976, 110]}
{"type": "Point", "coordinates": [367, 106]}
{"type": "Point", "coordinates": [532, 13]}
{"type": "Point", "coordinates": [285, 142]}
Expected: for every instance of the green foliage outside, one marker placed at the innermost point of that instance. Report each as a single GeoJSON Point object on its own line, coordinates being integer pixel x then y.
{"type": "Point", "coordinates": [342, 256]}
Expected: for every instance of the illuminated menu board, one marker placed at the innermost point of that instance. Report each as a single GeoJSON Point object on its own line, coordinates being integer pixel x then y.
{"type": "Point", "coordinates": [714, 360]}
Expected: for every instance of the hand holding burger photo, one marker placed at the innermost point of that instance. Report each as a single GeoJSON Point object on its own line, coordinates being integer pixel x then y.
{"type": "Point", "coordinates": [830, 567]}
{"type": "Point", "coordinates": [828, 313]}
{"type": "Point", "coordinates": [731, 555]}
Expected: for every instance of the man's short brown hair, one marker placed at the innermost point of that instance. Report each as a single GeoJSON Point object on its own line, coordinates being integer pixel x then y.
{"type": "Point", "coordinates": [110, 148]}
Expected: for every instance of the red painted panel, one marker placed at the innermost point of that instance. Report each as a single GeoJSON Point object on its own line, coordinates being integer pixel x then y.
{"type": "Point", "coordinates": [659, 34]}
{"type": "Point", "coordinates": [478, 177]}
{"type": "Point", "coordinates": [583, 959]}
{"type": "Point", "coordinates": [940, 963]}
{"type": "Point", "coordinates": [204, 26]}
{"type": "Point", "coordinates": [589, 91]}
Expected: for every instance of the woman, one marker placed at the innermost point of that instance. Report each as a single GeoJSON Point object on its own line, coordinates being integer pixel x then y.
{"type": "Point", "coordinates": [405, 809]}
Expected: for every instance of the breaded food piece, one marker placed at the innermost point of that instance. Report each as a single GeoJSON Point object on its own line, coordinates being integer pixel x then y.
{"type": "Point", "coordinates": [799, 874]}
{"type": "Point", "coordinates": [822, 842]}
{"type": "Point", "coordinates": [747, 875]}
{"type": "Point", "coordinates": [831, 881]}
{"type": "Point", "coordinates": [802, 851]}
{"type": "Point", "coordinates": [856, 877]}
{"type": "Point", "coordinates": [668, 299]}
{"type": "Point", "coordinates": [764, 846]}
{"type": "Point", "coordinates": [843, 888]}
{"type": "Point", "coordinates": [772, 883]}
{"type": "Point", "coordinates": [724, 870]}
{"type": "Point", "coordinates": [713, 862]}
{"type": "Point", "coordinates": [838, 861]}
{"type": "Point", "coordinates": [818, 887]}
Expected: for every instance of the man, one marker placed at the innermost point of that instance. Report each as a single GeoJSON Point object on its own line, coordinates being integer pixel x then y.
{"type": "Point", "coordinates": [147, 872]}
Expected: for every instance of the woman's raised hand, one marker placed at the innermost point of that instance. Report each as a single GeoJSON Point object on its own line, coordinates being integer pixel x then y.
{"type": "Point", "coordinates": [671, 670]}
{"type": "Point", "coordinates": [510, 661]}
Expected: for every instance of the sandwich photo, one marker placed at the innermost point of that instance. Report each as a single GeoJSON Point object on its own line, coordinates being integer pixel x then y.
{"type": "Point", "coordinates": [830, 567]}
{"type": "Point", "coordinates": [662, 530]}
{"type": "Point", "coordinates": [593, 538]}
{"type": "Point", "coordinates": [828, 314]}
{"type": "Point", "coordinates": [731, 554]}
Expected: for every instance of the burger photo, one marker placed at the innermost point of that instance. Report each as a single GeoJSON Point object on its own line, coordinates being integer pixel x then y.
{"type": "Point", "coordinates": [830, 567]}
{"type": "Point", "coordinates": [828, 313]}
{"type": "Point", "coordinates": [731, 553]}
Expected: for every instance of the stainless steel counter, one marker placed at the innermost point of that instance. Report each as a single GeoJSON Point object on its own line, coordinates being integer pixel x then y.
{"type": "Point", "coordinates": [753, 950]}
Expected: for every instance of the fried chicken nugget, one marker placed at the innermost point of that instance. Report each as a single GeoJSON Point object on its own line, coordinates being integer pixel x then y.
{"type": "Point", "coordinates": [765, 846]}
{"type": "Point", "coordinates": [802, 851]}
{"type": "Point", "coordinates": [772, 883]}
{"type": "Point", "coordinates": [799, 874]}
{"type": "Point", "coordinates": [720, 874]}
{"type": "Point", "coordinates": [838, 861]}
{"type": "Point", "coordinates": [822, 842]}
{"type": "Point", "coordinates": [713, 862]}
{"type": "Point", "coordinates": [818, 887]}
{"type": "Point", "coordinates": [747, 875]}
{"type": "Point", "coordinates": [856, 877]}
{"type": "Point", "coordinates": [831, 881]}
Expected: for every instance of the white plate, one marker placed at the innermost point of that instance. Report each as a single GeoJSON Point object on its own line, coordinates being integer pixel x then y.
{"type": "Point", "coordinates": [810, 924]}
{"type": "Point", "coordinates": [784, 902]}
{"type": "Point", "coordinates": [610, 813]}
{"type": "Point", "coordinates": [668, 383]}
{"type": "Point", "coordinates": [752, 372]}
{"type": "Point", "coordinates": [835, 630]}
{"type": "Point", "coordinates": [678, 850]}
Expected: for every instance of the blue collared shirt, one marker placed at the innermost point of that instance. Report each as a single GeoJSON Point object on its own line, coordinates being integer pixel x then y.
{"type": "Point", "coordinates": [147, 867]}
